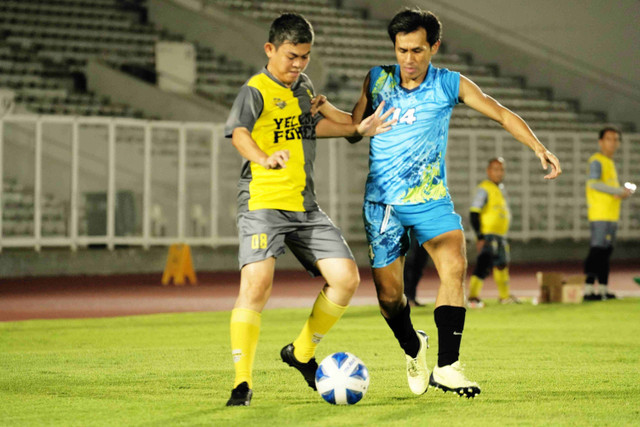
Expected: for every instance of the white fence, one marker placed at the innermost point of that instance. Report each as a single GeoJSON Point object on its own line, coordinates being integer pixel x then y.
{"type": "Point", "coordinates": [78, 181]}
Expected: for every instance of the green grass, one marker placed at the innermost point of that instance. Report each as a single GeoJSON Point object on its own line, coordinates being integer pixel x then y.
{"type": "Point", "coordinates": [537, 365]}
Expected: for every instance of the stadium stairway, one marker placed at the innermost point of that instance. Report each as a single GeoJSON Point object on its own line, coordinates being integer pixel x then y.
{"type": "Point", "coordinates": [18, 212]}
{"type": "Point", "coordinates": [45, 46]}
{"type": "Point", "coordinates": [350, 44]}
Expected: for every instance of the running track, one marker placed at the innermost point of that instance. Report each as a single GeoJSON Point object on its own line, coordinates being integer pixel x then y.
{"type": "Point", "coordinates": [107, 296]}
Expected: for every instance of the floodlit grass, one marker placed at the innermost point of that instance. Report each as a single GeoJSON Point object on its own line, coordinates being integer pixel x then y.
{"type": "Point", "coordinates": [537, 365]}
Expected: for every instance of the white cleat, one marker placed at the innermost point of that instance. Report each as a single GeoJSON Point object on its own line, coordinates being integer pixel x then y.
{"type": "Point", "coordinates": [451, 378]}
{"type": "Point", "coordinates": [417, 370]}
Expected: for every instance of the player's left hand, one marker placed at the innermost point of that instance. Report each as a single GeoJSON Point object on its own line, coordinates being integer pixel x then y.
{"type": "Point", "coordinates": [375, 124]}
{"type": "Point", "coordinates": [316, 104]}
{"type": "Point", "coordinates": [548, 158]}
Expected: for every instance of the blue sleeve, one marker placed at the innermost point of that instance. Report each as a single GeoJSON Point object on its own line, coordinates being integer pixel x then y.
{"type": "Point", "coordinates": [374, 73]}
{"type": "Point", "coordinates": [450, 82]}
{"type": "Point", "coordinates": [595, 169]}
{"type": "Point", "coordinates": [245, 111]}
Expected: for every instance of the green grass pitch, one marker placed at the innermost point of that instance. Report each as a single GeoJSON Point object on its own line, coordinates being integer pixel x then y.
{"type": "Point", "coordinates": [537, 365]}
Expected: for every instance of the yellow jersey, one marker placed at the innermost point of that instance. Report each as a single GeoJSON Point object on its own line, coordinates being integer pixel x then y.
{"type": "Point", "coordinates": [279, 118]}
{"type": "Point", "coordinates": [491, 203]}
{"type": "Point", "coordinates": [602, 206]}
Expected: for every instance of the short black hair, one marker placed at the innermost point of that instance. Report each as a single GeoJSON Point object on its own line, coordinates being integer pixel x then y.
{"type": "Point", "coordinates": [608, 129]}
{"type": "Point", "coordinates": [291, 27]}
{"type": "Point", "coordinates": [409, 20]}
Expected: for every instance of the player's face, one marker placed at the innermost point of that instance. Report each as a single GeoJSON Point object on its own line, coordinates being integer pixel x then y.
{"type": "Point", "coordinates": [495, 172]}
{"type": "Point", "coordinates": [414, 54]}
{"type": "Point", "coordinates": [288, 60]}
{"type": "Point", "coordinates": [609, 143]}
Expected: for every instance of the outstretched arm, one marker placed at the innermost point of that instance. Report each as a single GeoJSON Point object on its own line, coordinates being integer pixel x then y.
{"type": "Point", "coordinates": [596, 183]}
{"type": "Point", "coordinates": [373, 125]}
{"type": "Point", "coordinates": [320, 104]}
{"type": "Point", "coordinates": [361, 109]}
{"type": "Point", "coordinates": [473, 96]}
{"type": "Point", "coordinates": [247, 147]}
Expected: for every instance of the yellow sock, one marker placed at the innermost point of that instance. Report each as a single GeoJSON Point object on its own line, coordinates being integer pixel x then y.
{"type": "Point", "coordinates": [475, 286]}
{"type": "Point", "coordinates": [245, 330]}
{"type": "Point", "coordinates": [502, 282]}
{"type": "Point", "coordinates": [323, 316]}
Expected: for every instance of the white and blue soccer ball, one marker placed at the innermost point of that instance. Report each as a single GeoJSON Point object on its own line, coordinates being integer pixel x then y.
{"type": "Point", "coordinates": [342, 379]}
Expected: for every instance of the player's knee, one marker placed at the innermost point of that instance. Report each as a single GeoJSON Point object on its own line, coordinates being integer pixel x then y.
{"type": "Point", "coordinates": [481, 270]}
{"type": "Point", "coordinates": [456, 266]}
{"type": "Point", "coordinates": [254, 293]}
{"type": "Point", "coordinates": [481, 274]}
{"type": "Point", "coordinates": [390, 307]}
{"type": "Point", "coordinates": [390, 300]}
{"type": "Point", "coordinates": [350, 284]}
{"type": "Point", "coordinates": [348, 281]}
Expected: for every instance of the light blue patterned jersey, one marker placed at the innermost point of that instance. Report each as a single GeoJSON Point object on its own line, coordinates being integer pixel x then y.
{"type": "Point", "coordinates": [406, 164]}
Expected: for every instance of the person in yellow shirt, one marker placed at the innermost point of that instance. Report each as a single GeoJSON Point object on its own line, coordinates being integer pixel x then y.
{"type": "Point", "coordinates": [274, 125]}
{"type": "Point", "coordinates": [490, 216]}
{"type": "Point", "coordinates": [604, 196]}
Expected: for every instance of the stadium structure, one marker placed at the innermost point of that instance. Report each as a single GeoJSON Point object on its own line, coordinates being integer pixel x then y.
{"type": "Point", "coordinates": [113, 110]}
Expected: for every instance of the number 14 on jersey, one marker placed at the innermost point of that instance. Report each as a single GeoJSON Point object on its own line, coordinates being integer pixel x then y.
{"type": "Point", "coordinates": [408, 117]}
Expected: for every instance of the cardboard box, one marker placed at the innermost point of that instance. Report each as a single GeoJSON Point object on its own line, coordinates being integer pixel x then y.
{"type": "Point", "coordinates": [555, 287]}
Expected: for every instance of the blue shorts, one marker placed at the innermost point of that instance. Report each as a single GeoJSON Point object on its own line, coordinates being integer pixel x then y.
{"type": "Point", "coordinates": [387, 227]}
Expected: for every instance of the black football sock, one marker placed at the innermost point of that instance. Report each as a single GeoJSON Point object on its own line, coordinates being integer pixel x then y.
{"type": "Point", "coordinates": [450, 323]}
{"type": "Point", "coordinates": [403, 330]}
{"type": "Point", "coordinates": [591, 268]}
{"type": "Point", "coordinates": [603, 273]}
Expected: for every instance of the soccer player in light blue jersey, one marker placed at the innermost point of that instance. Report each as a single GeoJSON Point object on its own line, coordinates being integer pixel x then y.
{"type": "Point", "coordinates": [407, 189]}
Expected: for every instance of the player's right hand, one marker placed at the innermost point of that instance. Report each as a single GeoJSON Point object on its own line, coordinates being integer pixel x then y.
{"type": "Point", "coordinates": [375, 124]}
{"type": "Point", "coordinates": [547, 158]}
{"type": "Point", "coordinates": [277, 160]}
{"type": "Point", "coordinates": [317, 103]}
{"type": "Point", "coordinates": [626, 192]}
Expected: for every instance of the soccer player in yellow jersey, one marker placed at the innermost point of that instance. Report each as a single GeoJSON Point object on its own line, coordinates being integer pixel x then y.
{"type": "Point", "coordinates": [604, 194]}
{"type": "Point", "coordinates": [490, 216]}
{"type": "Point", "coordinates": [274, 125]}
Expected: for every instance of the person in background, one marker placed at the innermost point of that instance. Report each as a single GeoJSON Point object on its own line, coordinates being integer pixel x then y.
{"type": "Point", "coordinates": [414, 264]}
{"type": "Point", "coordinates": [604, 197]}
{"type": "Point", "coordinates": [490, 216]}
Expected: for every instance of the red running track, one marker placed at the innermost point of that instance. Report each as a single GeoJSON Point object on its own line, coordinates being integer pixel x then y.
{"type": "Point", "coordinates": [107, 296]}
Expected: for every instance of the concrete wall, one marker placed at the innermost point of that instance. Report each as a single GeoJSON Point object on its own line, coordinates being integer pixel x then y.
{"type": "Point", "coordinates": [124, 88]}
{"type": "Point", "coordinates": [63, 262]}
{"type": "Point", "coordinates": [231, 34]}
{"type": "Point", "coordinates": [584, 49]}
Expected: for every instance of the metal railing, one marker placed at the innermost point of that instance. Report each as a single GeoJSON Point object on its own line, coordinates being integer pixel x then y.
{"type": "Point", "coordinates": [79, 181]}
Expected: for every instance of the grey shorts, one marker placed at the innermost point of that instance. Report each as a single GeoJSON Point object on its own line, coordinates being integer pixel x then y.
{"type": "Point", "coordinates": [311, 236]}
{"type": "Point", "coordinates": [603, 233]}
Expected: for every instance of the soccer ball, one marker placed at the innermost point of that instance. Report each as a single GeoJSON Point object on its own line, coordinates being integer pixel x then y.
{"type": "Point", "coordinates": [342, 379]}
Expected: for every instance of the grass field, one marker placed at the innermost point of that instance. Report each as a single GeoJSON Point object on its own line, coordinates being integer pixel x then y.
{"type": "Point", "coordinates": [537, 365]}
